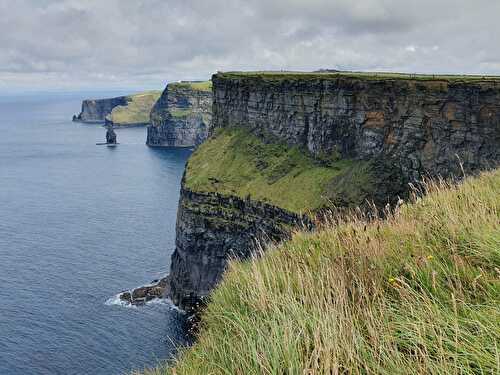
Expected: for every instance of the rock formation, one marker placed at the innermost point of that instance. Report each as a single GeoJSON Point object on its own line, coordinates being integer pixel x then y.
{"type": "Point", "coordinates": [110, 135]}
{"type": "Point", "coordinates": [399, 127]}
{"type": "Point", "coordinates": [95, 111]}
{"type": "Point", "coordinates": [182, 116]}
{"type": "Point", "coordinates": [211, 228]}
{"type": "Point", "coordinates": [423, 126]}
{"type": "Point", "coordinates": [146, 293]}
{"type": "Point", "coordinates": [122, 111]}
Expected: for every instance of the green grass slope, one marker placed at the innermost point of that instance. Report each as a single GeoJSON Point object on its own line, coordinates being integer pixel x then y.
{"type": "Point", "coordinates": [416, 293]}
{"type": "Point", "coordinates": [137, 109]}
{"type": "Point", "coordinates": [235, 162]}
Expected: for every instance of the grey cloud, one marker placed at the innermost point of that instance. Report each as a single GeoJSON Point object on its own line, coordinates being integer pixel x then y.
{"type": "Point", "coordinates": [143, 43]}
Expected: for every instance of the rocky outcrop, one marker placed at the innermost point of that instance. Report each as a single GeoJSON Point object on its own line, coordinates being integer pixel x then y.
{"type": "Point", "coordinates": [182, 116]}
{"type": "Point", "coordinates": [139, 296]}
{"type": "Point", "coordinates": [211, 228]}
{"type": "Point", "coordinates": [422, 126]}
{"type": "Point", "coordinates": [405, 128]}
{"type": "Point", "coordinates": [95, 111]}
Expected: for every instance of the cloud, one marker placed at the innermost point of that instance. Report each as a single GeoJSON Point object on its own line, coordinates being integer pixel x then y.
{"type": "Point", "coordinates": [144, 43]}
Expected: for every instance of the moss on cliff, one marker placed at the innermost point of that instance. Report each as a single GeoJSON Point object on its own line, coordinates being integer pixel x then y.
{"type": "Point", "coordinates": [181, 112]}
{"type": "Point", "coordinates": [235, 162]}
{"type": "Point", "coordinates": [417, 293]}
{"type": "Point", "coordinates": [197, 86]}
{"type": "Point", "coordinates": [386, 76]}
{"type": "Point", "coordinates": [137, 109]}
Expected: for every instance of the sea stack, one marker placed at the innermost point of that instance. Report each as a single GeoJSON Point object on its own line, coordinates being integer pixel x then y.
{"type": "Point", "coordinates": [110, 135]}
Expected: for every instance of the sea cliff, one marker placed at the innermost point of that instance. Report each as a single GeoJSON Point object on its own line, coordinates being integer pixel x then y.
{"type": "Point", "coordinates": [212, 227]}
{"type": "Point", "coordinates": [300, 143]}
{"type": "Point", "coordinates": [122, 111]}
{"type": "Point", "coordinates": [423, 124]}
{"type": "Point", "coordinates": [96, 110]}
{"type": "Point", "coordinates": [182, 116]}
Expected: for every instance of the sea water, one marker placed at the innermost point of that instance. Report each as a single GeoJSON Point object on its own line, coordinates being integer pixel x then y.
{"type": "Point", "coordinates": [78, 224]}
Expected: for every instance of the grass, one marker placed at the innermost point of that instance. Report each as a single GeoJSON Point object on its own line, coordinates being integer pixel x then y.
{"type": "Point", "coordinates": [290, 75]}
{"type": "Point", "coordinates": [197, 86]}
{"type": "Point", "coordinates": [137, 109]}
{"type": "Point", "coordinates": [234, 162]}
{"type": "Point", "coordinates": [416, 293]}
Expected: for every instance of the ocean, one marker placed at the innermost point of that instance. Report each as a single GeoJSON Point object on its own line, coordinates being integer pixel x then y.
{"type": "Point", "coordinates": [78, 224]}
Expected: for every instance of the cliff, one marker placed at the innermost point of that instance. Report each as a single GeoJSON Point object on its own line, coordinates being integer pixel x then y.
{"type": "Point", "coordinates": [182, 116]}
{"type": "Point", "coordinates": [96, 110]}
{"type": "Point", "coordinates": [212, 227]}
{"type": "Point", "coordinates": [415, 293]}
{"type": "Point", "coordinates": [130, 110]}
{"type": "Point", "coordinates": [303, 142]}
{"type": "Point", "coordinates": [423, 124]}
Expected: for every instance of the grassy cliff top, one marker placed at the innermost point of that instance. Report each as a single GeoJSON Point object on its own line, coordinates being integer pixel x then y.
{"type": "Point", "coordinates": [196, 86]}
{"type": "Point", "coordinates": [235, 162]}
{"type": "Point", "coordinates": [290, 75]}
{"type": "Point", "coordinates": [137, 109]}
{"type": "Point", "coordinates": [417, 293]}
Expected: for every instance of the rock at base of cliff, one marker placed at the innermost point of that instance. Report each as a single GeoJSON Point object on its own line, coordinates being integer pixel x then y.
{"type": "Point", "coordinates": [139, 296]}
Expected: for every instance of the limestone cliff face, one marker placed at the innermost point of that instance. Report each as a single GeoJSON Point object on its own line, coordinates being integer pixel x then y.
{"type": "Point", "coordinates": [211, 228]}
{"type": "Point", "coordinates": [404, 127]}
{"type": "Point", "coordinates": [181, 117]}
{"type": "Point", "coordinates": [421, 126]}
{"type": "Point", "coordinates": [95, 111]}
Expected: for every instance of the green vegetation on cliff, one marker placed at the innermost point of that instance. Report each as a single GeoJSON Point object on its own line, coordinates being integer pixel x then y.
{"type": "Point", "coordinates": [290, 75]}
{"type": "Point", "coordinates": [137, 109]}
{"type": "Point", "coordinates": [235, 162]}
{"type": "Point", "coordinates": [416, 293]}
{"type": "Point", "coordinates": [197, 86]}
{"type": "Point", "coordinates": [181, 112]}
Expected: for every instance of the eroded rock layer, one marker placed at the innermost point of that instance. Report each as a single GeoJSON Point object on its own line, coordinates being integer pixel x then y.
{"type": "Point", "coordinates": [211, 228]}
{"type": "Point", "coordinates": [422, 125]}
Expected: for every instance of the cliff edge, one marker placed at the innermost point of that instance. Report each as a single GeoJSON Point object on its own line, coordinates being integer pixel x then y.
{"type": "Point", "coordinates": [415, 293]}
{"type": "Point", "coordinates": [303, 142]}
{"type": "Point", "coordinates": [182, 116]}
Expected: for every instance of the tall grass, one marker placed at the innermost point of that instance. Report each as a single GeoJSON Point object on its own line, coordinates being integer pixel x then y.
{"type": "Point", "coordinates": [416, 293]}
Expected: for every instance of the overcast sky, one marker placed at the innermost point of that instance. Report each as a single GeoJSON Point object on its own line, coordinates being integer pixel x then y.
{"type": "Point", "coordinates": [75, 44]}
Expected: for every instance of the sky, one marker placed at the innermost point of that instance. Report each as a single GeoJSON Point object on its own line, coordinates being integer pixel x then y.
{"type": "Point", "coordinates": [143, 44]}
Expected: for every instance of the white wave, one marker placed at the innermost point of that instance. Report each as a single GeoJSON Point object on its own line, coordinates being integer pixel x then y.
{"type": "Point", "coordinates": [117, 301]}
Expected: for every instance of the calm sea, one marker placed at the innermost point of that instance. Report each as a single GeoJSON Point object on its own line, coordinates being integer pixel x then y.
{"type": "Point", "coordinates": [78, 224]}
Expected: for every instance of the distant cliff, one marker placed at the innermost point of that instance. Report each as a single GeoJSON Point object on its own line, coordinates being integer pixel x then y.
{"type": "Point", "coordinates": [182, 116]}
{"type": "Point", "coordinates": [130, 110]}
{"type": "Point", "coordinates": [298, 143]}
{"type": "Point", "coordinates": [96, 110]}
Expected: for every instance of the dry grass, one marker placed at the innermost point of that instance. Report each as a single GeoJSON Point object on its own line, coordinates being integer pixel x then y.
{"type": "Point", "coordinates": [417, 293]}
